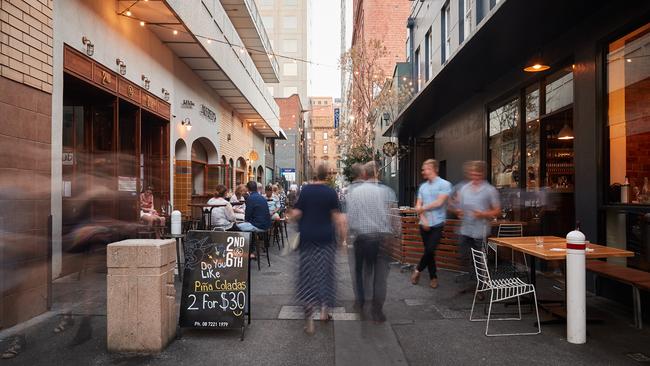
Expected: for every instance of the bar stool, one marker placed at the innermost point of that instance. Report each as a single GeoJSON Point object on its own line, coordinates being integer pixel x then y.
{"type": "Point", "coordinates": [276, 233]}
{"type": "Point", "coordinates": [262, 236]}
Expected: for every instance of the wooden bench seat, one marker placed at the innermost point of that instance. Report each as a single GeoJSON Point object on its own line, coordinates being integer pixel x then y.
{"type": "Point", "coordinates": [639, 280]}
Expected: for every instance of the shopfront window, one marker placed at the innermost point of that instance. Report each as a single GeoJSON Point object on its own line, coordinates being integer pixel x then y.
{"type": "Point", "coordinates": [559, 90]}
{"type": "Point", "coordinates": [628, 116]}
{"type": "Point", "coordinates": [504, 144]}
{"type": "Point", "coordinates": [532, 138]}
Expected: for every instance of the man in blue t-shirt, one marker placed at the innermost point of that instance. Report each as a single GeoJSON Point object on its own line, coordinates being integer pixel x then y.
{"type": "Point", "coordinates": [431, 206]}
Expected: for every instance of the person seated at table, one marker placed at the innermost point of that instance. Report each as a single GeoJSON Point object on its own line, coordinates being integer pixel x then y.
{"type": "Point", "coordinates": [223, 217]}
{"type": "Point", "coordinates": [147, 213]}
{"type": "Point", "coordinates": [272, 202]}
{"type": "Point", "coordinates": [257, 217]}
{"type": "Point", "coordinates": [282, 199]}
{"type": "Point", "coordinates": [238, 199]}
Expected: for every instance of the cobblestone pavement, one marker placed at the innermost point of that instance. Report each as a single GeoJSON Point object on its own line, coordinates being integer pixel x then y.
{"type": "Point", "coordinates": [424, 327]}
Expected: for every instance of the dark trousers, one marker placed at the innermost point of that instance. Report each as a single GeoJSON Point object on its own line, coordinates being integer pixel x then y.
{"type": "Point", "coordinates": [431, 239]}
{"type": "Point", "coordinates": [370, 258]}
{"type": "Point", "coordinates": [467, 243]}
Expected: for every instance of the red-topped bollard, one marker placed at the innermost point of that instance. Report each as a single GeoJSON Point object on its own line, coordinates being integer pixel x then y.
{"type": "Point", "coordinates": [575, 288]}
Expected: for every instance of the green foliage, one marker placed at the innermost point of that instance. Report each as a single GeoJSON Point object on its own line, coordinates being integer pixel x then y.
{"type": "Point", "coordinates": [359, 154]}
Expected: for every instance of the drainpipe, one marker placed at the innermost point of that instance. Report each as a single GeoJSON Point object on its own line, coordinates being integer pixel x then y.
{"type": "Point", "coordinates": [410, 24]}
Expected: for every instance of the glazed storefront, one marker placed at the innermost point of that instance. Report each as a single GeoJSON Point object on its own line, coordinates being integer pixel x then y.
{"type": "Point", "coordinates": [115, 143]}
{"type": "Point", "coordinates": [564, 145]}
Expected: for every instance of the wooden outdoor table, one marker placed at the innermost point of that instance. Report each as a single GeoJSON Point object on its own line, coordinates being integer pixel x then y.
{"type": "Point", "coordinates": [554, 249]}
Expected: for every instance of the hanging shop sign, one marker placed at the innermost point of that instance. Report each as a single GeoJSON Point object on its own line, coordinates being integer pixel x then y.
{"type": "Point", "coordinates": [389, 149]}
{"type": "Point", "coordinates": [337, 114]}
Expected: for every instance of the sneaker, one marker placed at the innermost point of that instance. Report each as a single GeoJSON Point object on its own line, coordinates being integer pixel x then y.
{"type": "Point", "coordinates": [415, 277]}
{"type": "Point", "coordinates": [434, 283]}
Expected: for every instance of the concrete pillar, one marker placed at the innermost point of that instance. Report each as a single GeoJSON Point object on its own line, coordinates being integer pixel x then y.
{"type": "Point", "coordinates": [141, 312]}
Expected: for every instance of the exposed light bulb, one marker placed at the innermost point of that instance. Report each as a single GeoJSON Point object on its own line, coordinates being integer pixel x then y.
{"type": "Point", "coordinates": [142, 23]}
{"type": "Point", "coordinates": [128, 13]}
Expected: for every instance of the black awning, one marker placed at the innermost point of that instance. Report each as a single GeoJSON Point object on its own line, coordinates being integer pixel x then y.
{"type": "Point", "coordinates": [505, 41]}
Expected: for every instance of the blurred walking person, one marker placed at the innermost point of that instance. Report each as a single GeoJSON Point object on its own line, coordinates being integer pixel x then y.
{"type": "Point", "coordinates": [369, 207]}
{"type": "Point", "coordinates": [431, 206]}
{"type": "Point", "coordinates": [319, 217]}
{"type": "Point", "coordinates": [477, 203]}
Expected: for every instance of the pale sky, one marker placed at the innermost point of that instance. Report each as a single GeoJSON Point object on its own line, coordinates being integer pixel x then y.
{"type": "Point", "coordinates": [325, 48]}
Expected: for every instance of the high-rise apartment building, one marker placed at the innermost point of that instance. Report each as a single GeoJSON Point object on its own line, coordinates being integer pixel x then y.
{"type": "Point", "coordinates": [286, 23]}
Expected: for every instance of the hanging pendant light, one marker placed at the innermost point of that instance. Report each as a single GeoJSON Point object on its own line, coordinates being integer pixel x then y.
{"type": "Point", "coordinates": [536, 64]}
{"type": "Point", "coordinates": [566, 133]}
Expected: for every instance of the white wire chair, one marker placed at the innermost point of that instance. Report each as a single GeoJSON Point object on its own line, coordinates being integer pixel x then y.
{"type": "Point", "coordinates": [505, 231]}
{"type": "Point", "coordinates": [500, 290]}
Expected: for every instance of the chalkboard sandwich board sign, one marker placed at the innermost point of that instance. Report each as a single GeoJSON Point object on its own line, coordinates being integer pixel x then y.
{"type": "Point", "coordinates": [216, 281]}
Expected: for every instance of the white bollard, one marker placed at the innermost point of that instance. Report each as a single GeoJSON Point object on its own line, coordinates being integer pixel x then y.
{"type": "Point", "coordinates": [176, 222]}
{"type": "Point", "coordinates": [575, 288]}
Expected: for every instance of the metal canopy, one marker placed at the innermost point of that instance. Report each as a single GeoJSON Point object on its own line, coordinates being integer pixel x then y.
{"type": "Point", "coordinates": [244, 16]}
{"type": "Point", "coordinates": [162, 22]}
{"type": "Point", "coordinates": [503, 43]}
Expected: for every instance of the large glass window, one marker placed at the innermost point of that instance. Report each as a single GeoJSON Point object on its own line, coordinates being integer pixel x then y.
{"type": "Point", "coordinates": [532, 137]}
{"type": "Point", "coordinates": [559, 90]}
{"type": "Point", "coordinates": [628, 116]}
{"type": "Point", "coordinates": [504, 144]}
{"type": "Point", "coordinates": [446, 34]}
{"type": "Point", "coordinates": [290, 69]}
{"type": "Point", "coordinates": [290, 45]}
{"type": "Point", "coordinates": [289, 22]}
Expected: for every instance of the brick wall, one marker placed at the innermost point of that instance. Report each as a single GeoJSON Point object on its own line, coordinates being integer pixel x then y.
{"type": "Point", "coordinates": [241, 141]}
{"type": "Point", "coordinates": [385, 20]}
{"type": "Point", "coordinates": [637, 130]}
{"type": "Point", "coordinates": [25, 157]}
{"type": "Point", "coordinates": [26, 42]}
{"type": "Point", "coordinates": [182, 186]}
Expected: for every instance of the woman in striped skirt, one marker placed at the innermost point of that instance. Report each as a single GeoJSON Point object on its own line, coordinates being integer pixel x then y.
{"type": "Point", "coordinates": [318, 215]}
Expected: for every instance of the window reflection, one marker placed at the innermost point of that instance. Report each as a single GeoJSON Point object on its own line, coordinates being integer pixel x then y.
{"type": "Point", "coordinates": [628, 88]}
{"type": "Point", "coordinates": [504, 144]}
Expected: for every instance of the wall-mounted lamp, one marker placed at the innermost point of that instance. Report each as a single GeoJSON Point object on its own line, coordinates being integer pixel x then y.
{"type": "Point", "coordinates": [186, 122]}
{"type": "Point", "coordinates": [90, 47]}
{"type": "Point", "coordinates": [229, 137]}
{"type": "Point", "coordinates": [121, 65]}
{"type": "Point", "coordinates": [165, 94]}
{"type": "Point", "coordinates": [146, 82]}
{"type": "Point", "coordinates": [386, 118]}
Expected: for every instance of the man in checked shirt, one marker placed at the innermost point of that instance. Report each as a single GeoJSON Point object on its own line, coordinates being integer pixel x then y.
{"type": "Point", "coordinates": [372, 223]}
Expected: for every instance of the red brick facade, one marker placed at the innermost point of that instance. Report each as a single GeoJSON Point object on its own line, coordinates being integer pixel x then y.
{"type": "Point", "coordinates": [384, 20]}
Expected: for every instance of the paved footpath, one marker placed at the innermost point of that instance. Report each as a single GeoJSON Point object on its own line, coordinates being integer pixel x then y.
{"type": "Point", "coordinates": [424, 327]}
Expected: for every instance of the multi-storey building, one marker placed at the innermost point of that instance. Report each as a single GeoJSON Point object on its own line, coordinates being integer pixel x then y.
{"type": "Point", "coordinates": [289, 153]}
{"type": "Point", "coordinates": [287, 23]}
{"type": "Point", "coordinates": [385, 21]}
{"type": "Point", "coordinates": [323, 145]}
{"type": "Point", "coordinates": [130, 94]}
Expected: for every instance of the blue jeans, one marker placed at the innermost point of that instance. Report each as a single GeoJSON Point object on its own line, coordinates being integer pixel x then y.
{"type": "Point", "coordinates": [248, 227]}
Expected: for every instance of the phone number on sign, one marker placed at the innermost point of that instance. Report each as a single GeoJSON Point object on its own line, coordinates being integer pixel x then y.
{"type": "Point", "coordinates": [212, 324]}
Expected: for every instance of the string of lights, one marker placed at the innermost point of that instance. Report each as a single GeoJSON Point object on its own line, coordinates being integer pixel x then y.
{"type": "Point", "coordinates": [241, 48]}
